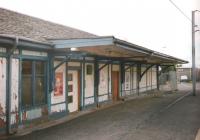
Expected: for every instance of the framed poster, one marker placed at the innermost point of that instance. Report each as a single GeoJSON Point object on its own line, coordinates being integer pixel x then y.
{"type": "Point", "coordinates": [58, 90]}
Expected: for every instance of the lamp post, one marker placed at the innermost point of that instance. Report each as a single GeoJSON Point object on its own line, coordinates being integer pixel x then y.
{"type": "Point", "coordinates": [193, 52]}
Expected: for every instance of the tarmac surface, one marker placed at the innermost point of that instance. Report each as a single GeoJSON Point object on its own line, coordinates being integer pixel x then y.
{"type": "Point", "coordinates": [174, 116]}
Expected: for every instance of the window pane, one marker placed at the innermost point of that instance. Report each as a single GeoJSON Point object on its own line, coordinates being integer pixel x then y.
{"type": "Point", "coordinates": [70, 88]}
{"type": "Point", "coordinates": [40, 90]}
{"type": "Point", "coordinates": [70, 99]}
{"type": "Point", "coordinates": [27, 67]}
{"type": "Point", "coordinates": [70, 77]}
{"type": "Point", "coordinates": [26, 91]}
{"type": "Point", "coordinates": [89, 69]}
{"type": "Point", "coordinates": [39, 67]}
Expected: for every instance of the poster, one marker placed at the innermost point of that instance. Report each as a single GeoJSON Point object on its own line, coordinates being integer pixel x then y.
{"type": "Point", "coordinates": [58, 90]}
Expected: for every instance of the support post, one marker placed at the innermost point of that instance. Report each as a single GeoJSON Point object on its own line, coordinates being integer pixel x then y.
{"type": "Point", "coordinates": [96, 82]}
{"type": "Point", "coordinates": [138, 78]}
{"type": "Point", "coordinates": [50, 81]}
{"type": "Point", "coordinates": [193, 54]}
{"type": "Point", "coordinates": [8, 94]}
{"type": "Point", "coordinates": [83, 83]}
{"type": "Point", "coordinates": [122, 78]}
{"type": "Point", "coordinates": [66, 86]}
{"type": "Point", "coordinates": [157, 77]}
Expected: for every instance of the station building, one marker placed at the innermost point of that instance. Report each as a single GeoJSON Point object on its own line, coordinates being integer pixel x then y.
{"type": "Point", "coordinates": [49, 70]}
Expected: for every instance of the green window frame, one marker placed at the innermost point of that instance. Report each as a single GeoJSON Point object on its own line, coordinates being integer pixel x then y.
{"type": "Point", "coordinates": [34, 83]}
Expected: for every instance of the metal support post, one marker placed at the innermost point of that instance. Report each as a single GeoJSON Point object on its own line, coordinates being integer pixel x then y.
{"type": "Point", "coordinates": [157, 77]}
{"type": "Point", "coordinates": [193, 54]}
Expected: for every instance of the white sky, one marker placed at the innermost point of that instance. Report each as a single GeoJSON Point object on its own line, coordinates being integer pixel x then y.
{"type": "Point", "coordinates": [155, 24]}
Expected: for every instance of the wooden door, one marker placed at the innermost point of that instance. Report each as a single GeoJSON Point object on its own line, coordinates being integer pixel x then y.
{"type": "Point", "coordinates": [73, 90]}
{"type": "Point", "coordinates": [115, 85]}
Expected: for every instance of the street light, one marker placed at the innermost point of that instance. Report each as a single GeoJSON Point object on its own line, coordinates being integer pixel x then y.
{"type": "Point", "coordinates": [193, 52]}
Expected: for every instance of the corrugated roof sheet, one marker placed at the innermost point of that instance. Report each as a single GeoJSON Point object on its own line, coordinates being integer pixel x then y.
{"type": "Point", "coordinates": [13, 23]}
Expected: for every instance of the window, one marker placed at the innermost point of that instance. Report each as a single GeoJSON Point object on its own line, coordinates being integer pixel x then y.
{"type": "Point", "coordinates": [33, 83]}
{"type": "Point", "coordinates": [70, 88]}
{"type": "Point", "coordinates": [40, 82]}
{"type": "Point", "coordinates": [89, 69]}
{"type": "Point", "coordinates": [70, 99]}
{"type": "Point", "coordinates": [70, 77]}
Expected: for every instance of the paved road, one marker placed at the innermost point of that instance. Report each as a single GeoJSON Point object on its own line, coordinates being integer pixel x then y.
{"type": "Point", "coordinates": [140, 119]}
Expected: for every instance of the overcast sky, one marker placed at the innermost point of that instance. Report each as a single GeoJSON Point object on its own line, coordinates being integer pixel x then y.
{"type": "Point", "coordinates": [155, 24]}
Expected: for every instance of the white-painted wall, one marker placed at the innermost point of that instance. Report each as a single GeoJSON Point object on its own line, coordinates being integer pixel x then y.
{"type": "Point", "coordinates": [74, 64]}
{"type": "Point", "coordinates": [2, 89]}
{"type": "Point", "coordinates": [154, 78]}
{"type": "Point", "coordinates": [103, 83]}
{"type": "Point", "coordinates": [89, 85]}
{"type": "Point", "coordinates": [143, 80]}
{"type": "Point", "coordinates": [14, 90]}
{"type": "Point", "coordinates": [134, 78]}
{"type": "Point", "coordinates": [34, 53]}
{"type": "Point", "coordinates": [149, 78]}
{"type": "Point", "coordinates": [115, 67]}
{"type": "Point", "coordinates": [127, 82]}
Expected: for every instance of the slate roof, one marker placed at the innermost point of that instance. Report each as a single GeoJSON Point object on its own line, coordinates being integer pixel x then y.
{"type": "Point", "coordinates": [16, 24]}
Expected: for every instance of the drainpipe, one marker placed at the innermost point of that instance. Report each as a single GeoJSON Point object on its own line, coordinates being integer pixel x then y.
{"type": "Point", "coordinates": [8, 86]}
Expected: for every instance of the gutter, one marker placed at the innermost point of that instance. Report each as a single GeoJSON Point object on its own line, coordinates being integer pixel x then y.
{"type": "Point", "coordinates": [25, 42]}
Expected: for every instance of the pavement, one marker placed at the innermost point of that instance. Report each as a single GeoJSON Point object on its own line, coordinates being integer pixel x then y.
{"type": "Point", "coordinates": [172, 116]}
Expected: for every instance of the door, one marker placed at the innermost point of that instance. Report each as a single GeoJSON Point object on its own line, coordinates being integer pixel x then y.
{"type": "Point", "coordinates": [73, 90]}
{"type": "Point", "coordinates": [115, 85]}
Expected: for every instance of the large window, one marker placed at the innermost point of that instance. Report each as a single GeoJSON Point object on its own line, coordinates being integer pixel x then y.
{"type": "Point", "coordinates": [33, 83]}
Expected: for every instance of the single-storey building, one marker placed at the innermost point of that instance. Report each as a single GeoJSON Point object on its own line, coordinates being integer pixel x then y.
{"type": "Point", "coordinates": [49, 70]}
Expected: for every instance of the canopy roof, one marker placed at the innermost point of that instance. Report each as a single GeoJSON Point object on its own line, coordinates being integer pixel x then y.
{"type": "Point", "coordinates": [111, 47]}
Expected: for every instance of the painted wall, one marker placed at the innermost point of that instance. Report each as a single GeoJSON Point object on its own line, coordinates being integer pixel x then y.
{"type": "Point", "coordinates": [103, 83]}
{"type": "Point", "coordinates": [115, 67]}
{"type": "Point", "coordinates": [89, 85]}
{"type": "Point", "coordinates": [148, 81]}
{"type": "Point", "coordinates": [149, 78]}
{"type": "Point", "coordinates": [2, 92]}
{"type": "Point", "coordinates": [74, 64]}
{"type": "Point", "coordinates": [134, 79]}
{"type": "Point", "coordinates": [143, 82]}
{"type": "Point", "coordinates": [15, 91]}
{"type": "Point", "coordinates": [154, 78]}
{"type": "Point", "coordinates": [33, 53]}
{"type": "Point", "coordinates": [127, 82]}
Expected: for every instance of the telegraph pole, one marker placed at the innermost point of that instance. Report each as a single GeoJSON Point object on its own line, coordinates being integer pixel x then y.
{"type": "Point", "coordinates": [193, 52]}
